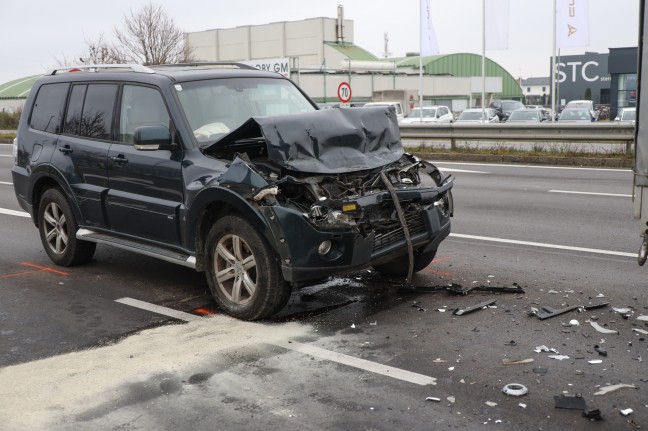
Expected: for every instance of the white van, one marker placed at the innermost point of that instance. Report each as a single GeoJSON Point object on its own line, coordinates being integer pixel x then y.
{"type": "Point", "coordinates": [400, 114]}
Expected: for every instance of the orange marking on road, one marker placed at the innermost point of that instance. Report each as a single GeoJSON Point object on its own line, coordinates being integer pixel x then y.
{"type": "Point", "coordinates": [44, 268]}
{"type": "Point", "coordinates": [441, 259]}
{"type": "Point", "coordinates": [204, 312]}
{"type": "Point", "coordinates": [18, 274]}
{"type": "Point", "coordinates": [435, 272]}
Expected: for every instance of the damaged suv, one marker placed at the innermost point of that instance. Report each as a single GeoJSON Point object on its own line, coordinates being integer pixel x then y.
{"type": "Point", "coordinates": [228, 170]}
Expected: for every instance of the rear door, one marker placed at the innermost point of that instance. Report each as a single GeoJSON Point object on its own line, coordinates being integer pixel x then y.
{"type": "Point", "coordinates": [145, 187]}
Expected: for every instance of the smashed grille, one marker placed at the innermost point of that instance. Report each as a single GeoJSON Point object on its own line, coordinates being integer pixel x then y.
{"type": "Point", "coordinates": [415, 224]}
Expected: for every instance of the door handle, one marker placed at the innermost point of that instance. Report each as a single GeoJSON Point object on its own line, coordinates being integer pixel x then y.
{"type": "Point", "coordinates": [120, 159]}
{"type": "Point", "coordinates": [66, 149]}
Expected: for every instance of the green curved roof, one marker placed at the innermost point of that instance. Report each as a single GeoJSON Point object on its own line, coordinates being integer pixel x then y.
{"type": "Point", "coordinates": [466, 65]}
{"type": "Point", "coordinates": [17, 89]}
{"type": "Point", "coordinates": [353, 52]}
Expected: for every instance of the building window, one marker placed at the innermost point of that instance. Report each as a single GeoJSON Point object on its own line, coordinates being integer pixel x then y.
{"type": "Point", "coordinates": [528, 89]}
{"type": "Point", "coordinates": [627, 95]}
{"type": "Point", "coordinates": [544, 89]}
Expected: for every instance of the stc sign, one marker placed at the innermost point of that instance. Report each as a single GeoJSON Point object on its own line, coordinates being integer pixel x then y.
{"type": "Point", "coordinates": [588, 71]}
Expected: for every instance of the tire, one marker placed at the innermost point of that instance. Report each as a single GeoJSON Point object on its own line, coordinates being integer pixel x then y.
{"type": "Point", "coordinates": [400, 265]}
{"type": "Point", "coordinates": [250, 285]}
{"type": "Point", "coordinates": [58, 226]}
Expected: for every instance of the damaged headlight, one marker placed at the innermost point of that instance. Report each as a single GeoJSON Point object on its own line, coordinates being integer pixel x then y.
{"type": "Point", "coordinates": [334, 213]}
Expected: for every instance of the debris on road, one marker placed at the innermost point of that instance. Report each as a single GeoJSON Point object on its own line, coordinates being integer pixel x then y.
{"type": "Point", "coordinates": [603, 330]}
{"type": "Point", "coordinates": [600, 350]}
{"type": "Point", "coordinates": [490, 404]}
{"type": "Point", "coordinates": [568, 401]}
{"type": "Point", "coordinates": [594, 414]}
{"type": "Point", "coordinates": [559, 357]}
{"type": "Point", "coordinates": [436, 400]}
{"type": "Point", "coordinates": [515, 389]}
{"type": "Point", "coordinates": [524, 406]}
{"type": "Point", "coordinates": [480, 306]}
{"type": "Point", "coordinates": [642, 318]}
{"type": "Point", "coordinates": [540, 370]}
{"type": "Point", "coordinates": [640, 331]}
{"type": "Point", "coordinates": [544, 348]}
{"type": "Point", "coordinates": [574, 322]}
{"type": "Point", "coordinates": [626, 412]}
{"type": "Point", "coordinates": [596, 361]}
{"type": "Point", "coordinates": [451, 400]}
{"type": "Point", "coordinates": [417, 304]}
{"type": "Point", "coordinates": [607, 389]}
{"type": "Point", "coordinates": [622, 311]}
{"type": "Point", "coordinates": [458, 289]}
{"type": "Point", "coordinates": [547, 312]}
{"type": "Point", "coordinates": [516, 361]}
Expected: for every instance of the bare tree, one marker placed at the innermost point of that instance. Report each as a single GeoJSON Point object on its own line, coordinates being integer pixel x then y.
{"type": "Point", "coordinates": [150, 36]}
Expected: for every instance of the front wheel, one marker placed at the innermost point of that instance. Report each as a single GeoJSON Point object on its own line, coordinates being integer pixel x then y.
{"type": "Point", "coordinates": [400, 265]}
{"type": "Point", "coordinates": [243, 273]}
{"type": "Point", "coordinates": [58, 227]}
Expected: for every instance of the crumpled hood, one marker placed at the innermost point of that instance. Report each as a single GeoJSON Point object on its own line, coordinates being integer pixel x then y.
{"type": "Point", "coordinates": [326, 142]}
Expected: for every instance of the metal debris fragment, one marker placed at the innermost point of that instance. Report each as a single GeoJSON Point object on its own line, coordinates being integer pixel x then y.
{"type": "Point", "coordinates": [515, 389]}
{"type": "Point", "coordinates": [516, 361]}
{"type": "Point", "coordinates": [480, 306]}
{"type": "Point", "coordinates": [546, 312]}
{"type": "Point", "coordinates": [603, 330]}
{"type": "Point", "coordinates": [593, 414]}
{"type": "Point", "coordinates": [458, 289]}
{"type": "Point", "coordinates": [607, 389]}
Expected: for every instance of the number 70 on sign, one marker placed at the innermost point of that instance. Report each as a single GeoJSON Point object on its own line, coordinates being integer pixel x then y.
{"type": "Point", "coordinates": [344, 92]}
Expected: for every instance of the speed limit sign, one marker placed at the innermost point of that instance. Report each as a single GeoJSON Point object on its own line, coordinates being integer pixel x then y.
{"type": "Point", "coordinates": [344, 92]}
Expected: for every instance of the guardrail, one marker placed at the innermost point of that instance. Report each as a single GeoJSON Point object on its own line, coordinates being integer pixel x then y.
{"type": "Point", "coordinates": [621, 133]}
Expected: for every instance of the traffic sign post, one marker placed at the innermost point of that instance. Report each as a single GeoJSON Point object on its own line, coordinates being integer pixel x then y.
{"type": "Point", "coordinates": [344, 92]}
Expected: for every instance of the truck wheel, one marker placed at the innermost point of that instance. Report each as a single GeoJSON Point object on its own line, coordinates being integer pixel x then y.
{"type": "Point", "coordinates": [399, 266]}
{"type": "Point", "coordinates": [58, 228]}
{"type": "Point", "coordinates": [243, 273]}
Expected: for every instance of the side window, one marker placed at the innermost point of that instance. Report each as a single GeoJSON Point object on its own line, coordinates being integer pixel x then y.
{"type": "Point", "coordinates": [90, 111]}
{"type": "Point", "coordinates": [48, 108]}
{"type": "Point", "coordinates": [141, 106]}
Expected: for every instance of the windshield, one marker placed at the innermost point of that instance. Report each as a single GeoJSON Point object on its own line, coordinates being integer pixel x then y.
{"type": "Point", "coordinates": [471, 115]}
{"type": "Point", "coordinates": [216, 107]}
{"type": "Point", "coordinates": [575, 114]}
{"type": "Point", "coordinates": [629, 115]}
{"type": "Point", "coordinates": [427, 113]}
{"type": "Point", "coordinates": [512, 106]}
{"type": "Point", "coordinates": [524, 115]}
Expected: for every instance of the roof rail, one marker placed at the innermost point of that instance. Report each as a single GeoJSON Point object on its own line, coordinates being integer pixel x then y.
{"type": "Point", "coordinates": [213, 63]}
{"type": "Point", "coordinates": [96, 67]}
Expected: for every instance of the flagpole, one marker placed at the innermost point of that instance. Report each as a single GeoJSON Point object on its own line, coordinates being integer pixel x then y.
{"type": "Point", "coordinates": [553, 67]}
{"type": "Point", "coordinates": [483, 59]}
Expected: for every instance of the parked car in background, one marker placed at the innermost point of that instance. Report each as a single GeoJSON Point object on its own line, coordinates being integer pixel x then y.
{"type": "Point", "coordinates": [505, 107]}
{"type": "Point", "coordinates": [576, 115]}
{"type": "Point", "coordinates": [429, 114]}
{"type": "Point", "coordinates": [474, 115]}
{"type": "Point", "coordinates": [400, 114]}
{"type": "Point", "coordinates": [627, 115]}
{"type": "Point", "coordinates": [526, 116]}
{"type": "Point", "coordinates": [584, 104]}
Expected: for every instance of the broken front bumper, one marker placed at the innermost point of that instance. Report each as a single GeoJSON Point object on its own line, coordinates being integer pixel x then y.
{"type": "Point", "coordinates": [297, 240]}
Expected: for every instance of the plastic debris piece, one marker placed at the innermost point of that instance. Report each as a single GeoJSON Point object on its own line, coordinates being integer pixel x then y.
{"type": "Point", "coordinates": [451, 369]}
{"type": "Point", "coordinates": [442, 310]}
{"type": "Point", "coordinates": [633, 424]}
{"type": "Point", "coordinates": [516, 361]}
{"type": "Point", "coordinates": [607, 389]}
{"type": "Point", "coordinates": [353, 325]}
{"type": "Point", "coordinates": [498, 421]}
{"type": "Point", "coordinates": [524, 406]}
{"type": "Point", "coordinates": [567, 401]}
{"type": "Point", "coordinates": [540, 370]}
{"type": "Point", "coordinates": [514, 343]}
{"type": "Point", "coordinates": [552, 291]}
{"type": "Point", "coordinates": [451, 400]}
{"type": "Point", "coordinates": [626, 412]}
{"type": "Point", "coordinates": [559, 357]}
{"type": "Point", "coordinates": [515, 389]}
{"type": "Point", "coordinates": [596, 361]}
{"type": "Point", "coordinates": [603, 330]}
{"type": "Point", "coordinates": [462, 311]}
{"type": "Point", "coordinates": [640, 331]}
{"type": "Point", "coordinates": [540, 349]}
{"type": "Point", "coordinates": [643, 318]}
{"type": "Point", "coordinates": [593, 414]}
{"type": "Point", "coordinates": [574, 322]}
{"type": "Point", "coordinates": [436, 400]}
{"type": "Point", "coordinates": [490, 404]}
{"type": "Point", "coordinates": [546, 312]}
{"type": "Point", "coordinates": [622, 310]}
{"type": "Point", "coordinates": [600, 350]}
{"type": "Point", "coordinates": [374, 323]}
{"type": "Point", "coordinates": [600, 295]}
{"type": "Point", "coordinates": [439, 361]}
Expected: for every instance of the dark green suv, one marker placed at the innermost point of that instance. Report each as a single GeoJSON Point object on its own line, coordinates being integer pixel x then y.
{"type": "Point", "coordinates": [225, 169]}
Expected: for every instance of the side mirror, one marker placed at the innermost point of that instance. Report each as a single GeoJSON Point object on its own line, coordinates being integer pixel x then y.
{"type": "Point", "coordinates": [152, 138]}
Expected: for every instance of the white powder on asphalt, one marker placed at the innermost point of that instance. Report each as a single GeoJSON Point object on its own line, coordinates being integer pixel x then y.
{"type": "Point", "coordinates": [40, 394]}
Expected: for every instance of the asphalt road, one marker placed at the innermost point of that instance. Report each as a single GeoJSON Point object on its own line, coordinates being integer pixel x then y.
{"type": "Point", "coordinates": [361, 351]}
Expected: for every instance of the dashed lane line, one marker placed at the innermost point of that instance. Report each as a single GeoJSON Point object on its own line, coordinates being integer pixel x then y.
{"type": "Point", "coordinates": [14, 212]}
{"type": "Point", "coordinates": [571, 192]}
{"type": "Point", "coordinates": [6, 183]}
{"type": "Point", "coordinates": [306, 349]}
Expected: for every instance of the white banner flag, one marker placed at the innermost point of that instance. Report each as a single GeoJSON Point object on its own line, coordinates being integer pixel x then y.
{"type": "Point", "coordinates": [429, 44]}
{"type": "Point", "coordinates": [572, 23]}
{"type": "Point", "coordinates": [497, 24]}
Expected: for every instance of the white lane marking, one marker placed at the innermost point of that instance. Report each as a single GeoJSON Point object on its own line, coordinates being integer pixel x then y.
{"type": "Point", "coordinates": [590, 193]}
{"type": "Point", "coordinates": [362, 364]}
{"type": "Point", "coordinates": [6, 155]}
{"type": "Point", "coordinates": [462, 170]}
{"type": "Point", "coordinates": [6, 183]}
{"type": "Point", "coordinates": [13, 213]}
{"type": "Point", "coordinates": [318, 352]}
{"type": "Point", "coordinates": [441, 162]}
{"type": "Point", "coordinates": [159, 309]}
{"type": "Point", "coordinates": [544, 245]}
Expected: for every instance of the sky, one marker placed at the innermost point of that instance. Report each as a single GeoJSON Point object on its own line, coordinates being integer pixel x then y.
{"type": "Point", "coordinates": [37, 33]}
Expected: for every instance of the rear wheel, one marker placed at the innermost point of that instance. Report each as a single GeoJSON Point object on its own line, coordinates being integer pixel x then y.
{"type": "Point", "coordinates": [243, 273]}
{"type": "Point", "coordinates": [58, 227]}
{"type": "Point", "coordinates": [400, 265]}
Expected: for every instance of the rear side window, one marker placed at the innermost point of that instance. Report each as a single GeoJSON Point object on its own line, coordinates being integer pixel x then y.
{"type": "Point", "coordinates": [48, 107]}
{"type": "Point", "coordinates": [90, 111]}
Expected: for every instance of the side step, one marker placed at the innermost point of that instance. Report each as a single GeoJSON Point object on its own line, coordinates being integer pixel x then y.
{"type": "Point", "coordinates": [138, 247]}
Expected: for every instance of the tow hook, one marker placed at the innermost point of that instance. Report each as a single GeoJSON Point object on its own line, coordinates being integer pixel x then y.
{"type": "Point", "coordinates": [643, 251]}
